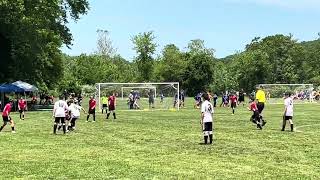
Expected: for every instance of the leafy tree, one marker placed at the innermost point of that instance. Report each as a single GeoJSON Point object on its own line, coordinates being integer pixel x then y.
{"type": "Point", "coordinates": [145, 47]}
{"type": "Point", "coordinates": [200, 68]}
{"type": "Point", "coordinates": [32, 32]}
{"type": "Point", "coordinates": [172, 65]}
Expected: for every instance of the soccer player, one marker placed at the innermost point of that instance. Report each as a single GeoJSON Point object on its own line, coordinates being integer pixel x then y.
{"type": "Point", "coordinates": [182, 97]}
{"type": "Point", "coordinates": [75, 114]}
{"type": "Point", "coordinates": [112, 106]}
{"type": "Point", "coordinates": [59, 114]}
{"type": "Point", "coordinates": [161, 97]}
{"type": "Point", "coordinates": [22, 106]}
{"type": "Point", "coordinates": [255, 118]}
{"type": "Point", "coordinates": [92, 109]}
{"type": "Point", "coordinates": [206, 118]}
{"type": "Point", "coordinates": [198, 100]}
{"type": "Point", "coordinates": [261, 97]}
{"type": "Point", "coordinates": [233, 102]}
{"type": "Point", "coordinates": [215, 100]}
{"type": "Point", "coordinates": [104, 100]}
{"type": "Point", "coordinates": [6, 116]}
{"type": "Point", "coordinates": [241, 97]}
{"type": "Point", "coordinates": [151, 99]}
{"type": "Point", "coordinates": [288, 112]}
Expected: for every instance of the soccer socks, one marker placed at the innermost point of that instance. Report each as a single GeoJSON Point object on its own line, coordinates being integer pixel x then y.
{"type": "Point", "coordinates": [232, 111]}
{"type": "Point", "coordinates": [205, 139]}
{"type": "Point", "coordinates": [291, 125]}
{"type": "Point", "coordinates": [108, 115]}
{"type": "Point", "coordinates": [20, 116]}
{"type": "Point", "coordinates": [64, 128]}
{"type": "Point", "coordinates": [12, 128]}
{"type": "Point", "coordinates": [211, 138]}
{"type": "Point", "coordinates": [1, 127]}
{"type": "Point", "coordinates": [94, 117]}
{"type": "Point", "coordinates": [55, 128]}
{"type": "Point", "coordinates": [114, 115]}
{"type": "Point", "coordinates": [88, 117]}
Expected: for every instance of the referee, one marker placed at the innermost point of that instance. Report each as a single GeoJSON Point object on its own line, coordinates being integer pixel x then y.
{"type": "Point", "coordinates": [261, 98]}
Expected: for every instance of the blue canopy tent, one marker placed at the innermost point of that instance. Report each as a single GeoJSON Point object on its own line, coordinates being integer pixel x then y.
{"type": "Point", "coordinates": [8, 88]}
{"type": "Point", "coordinates": [26, 86]}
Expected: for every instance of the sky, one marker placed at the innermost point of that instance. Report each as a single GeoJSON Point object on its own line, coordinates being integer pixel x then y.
{"type": "Point", "coordinates": [225, 25]}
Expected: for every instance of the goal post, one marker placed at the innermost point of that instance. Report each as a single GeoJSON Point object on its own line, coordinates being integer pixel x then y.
{"type": "Point", "coordinates": [301, 93]}
{"type": "Point", "coordinates": [167, 91]}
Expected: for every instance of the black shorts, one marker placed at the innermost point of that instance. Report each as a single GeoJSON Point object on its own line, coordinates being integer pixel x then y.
{"type": "Point", "coordinates": [260, 106]}
{"type": "Point", "coordinates": [92, 111]}
{"type": "Point", "coordinates": [288, 118]}
{"type": "Point", "coordinates": [22, 110]}
{"type": "Point", "coordinates": [233, 105]}
{"type": "Point", "coordinates": [207, 126]}
{"type": "Point", "coordinates": [151, 101]}
{"type": "Point", "coordinates": [256, 116]}
{"type": "Point", "coordinates": [59, 120]}
{"type": "Point", "coordinates": [6, 118]}
{"type": "Point", "coordinates": [241, 98]}
{"type": "Point", "coordinates": [104, 105]}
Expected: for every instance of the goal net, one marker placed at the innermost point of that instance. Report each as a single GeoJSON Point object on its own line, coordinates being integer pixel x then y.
{"type": "Point", "coordinates": [301, 93]}
{"type": "Point", "coordinates": [139, 96]}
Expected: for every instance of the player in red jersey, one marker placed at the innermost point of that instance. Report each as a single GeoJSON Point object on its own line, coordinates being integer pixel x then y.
{"type": "Point", "coordinates": [22, 106]}
{"type": "Point", "coordinates": [92, 109]}
{"type": "Point", "coordinates": [255, 118]}
{"type": "Point", "coordinates": [233, 101]}
{"type": "Point", "coordinates": [6, 116]}
{"type": "Point", "coordinates": [112, 106]}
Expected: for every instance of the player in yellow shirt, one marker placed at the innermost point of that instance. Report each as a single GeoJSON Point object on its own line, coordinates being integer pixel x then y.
{"type": "Point", "coordinates": [261, 98]}
{"type": "Point", "coordinates": [104, 101]}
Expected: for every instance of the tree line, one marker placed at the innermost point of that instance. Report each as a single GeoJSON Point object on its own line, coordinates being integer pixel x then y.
{"type": "Point", "coordinates": [33, 31]}
{"type": "Point", "coordinates": [273, 59]}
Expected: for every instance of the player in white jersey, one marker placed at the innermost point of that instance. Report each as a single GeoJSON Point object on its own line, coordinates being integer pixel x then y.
{"type": "Point", "coordinates": [288, 112]}
{"type": "Point", "coordinates": [206, 118]}
{"type": "Point", "coordinates": [75, 114]}
{"type": "Point", "coordinates": [59, 113]}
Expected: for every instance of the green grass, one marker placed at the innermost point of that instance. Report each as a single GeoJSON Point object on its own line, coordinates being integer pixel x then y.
{"type": "Point", "coordinates": [164, 145]}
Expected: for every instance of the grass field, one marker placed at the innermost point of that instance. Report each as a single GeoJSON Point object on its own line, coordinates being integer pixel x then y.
{"type": "Point", "coordinates": [164, 145]}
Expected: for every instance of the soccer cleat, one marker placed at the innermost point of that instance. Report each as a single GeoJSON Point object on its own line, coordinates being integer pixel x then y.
{"type": "Point", "coordinates": [264, 123]}
{"type": "Point", "coordinates": [87, 121]}
{"type": "Point", "coordinates": [13, 132]}
{"type": "Point", "coordinates": [259, 126]}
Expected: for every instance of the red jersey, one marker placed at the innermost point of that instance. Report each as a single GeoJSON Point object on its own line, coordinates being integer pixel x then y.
{"type": "Point", "coordinates": [22, 104]}
{"type": "Point", "coordinates": [233, 99]}
{"type": "Point", "coordinates": [92, 103]}
{"type": "Point", "coordinates": [253, 106]}
{"type": "Point", "coordinates": [112, 100]}
{"type": "Point", "coordinates": [7, 109]}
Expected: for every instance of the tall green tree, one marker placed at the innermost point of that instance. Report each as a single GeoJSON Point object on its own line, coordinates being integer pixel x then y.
{"type": "Point", "coordinates": [200, 67]}
{"type": "Point", "coordinates": [145, 48]}
{"type": "Point", "coordinates": [172, 65]}
{"type": "Point", "coordinates": [33, 32]}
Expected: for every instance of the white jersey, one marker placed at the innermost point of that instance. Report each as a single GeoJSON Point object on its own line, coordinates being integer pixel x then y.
{"type": "Point", "coordinates": [75, 110]}
{"type": "Point", "coordinates": [288, 103]}
{"type": "Point", "coordinates": [207, 109]}
{"type": "Point", "coordinates": [60, 108]}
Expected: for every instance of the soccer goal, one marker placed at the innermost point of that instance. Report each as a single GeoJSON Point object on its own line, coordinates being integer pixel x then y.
{"type": "Point", "coordinates": [301, 93]}
{"type": "Point", "coordinates": [164, 95]}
